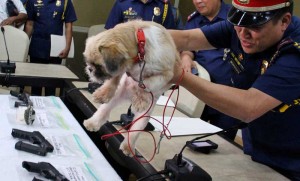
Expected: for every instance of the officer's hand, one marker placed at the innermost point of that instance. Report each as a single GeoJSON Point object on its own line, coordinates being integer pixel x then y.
{"type": "Point", "coordinates": [8, 21]}
{"type": "Point", "coordinates": [187, 64]}
{"type": "Point", "coordinates": [178, 72]}
{"type": "Point", "coordinates": [64, 53]}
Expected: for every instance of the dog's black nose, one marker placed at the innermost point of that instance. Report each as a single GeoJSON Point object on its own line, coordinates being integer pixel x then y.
{"type": "Point", "coordinates": [90, 69]}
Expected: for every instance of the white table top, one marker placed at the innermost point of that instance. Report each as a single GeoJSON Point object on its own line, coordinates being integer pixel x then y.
{"type": "Point", "coordinates": [43, 70]}
{"type": "Point", "coordinates": [78, 150]}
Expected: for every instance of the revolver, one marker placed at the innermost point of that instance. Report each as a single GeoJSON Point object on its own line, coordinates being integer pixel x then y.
{"type": "Point", "coordinates": [29, 114]}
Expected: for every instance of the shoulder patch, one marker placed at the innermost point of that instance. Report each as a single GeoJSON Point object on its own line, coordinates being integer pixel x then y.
{"type": "Point", "coordinates": [191, 16]}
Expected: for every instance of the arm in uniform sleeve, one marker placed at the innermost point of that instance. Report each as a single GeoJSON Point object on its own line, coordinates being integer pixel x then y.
{"type": "Point", "coordinates": [70, 14]}
{"type": "Point", "coordinates": [228, 100]}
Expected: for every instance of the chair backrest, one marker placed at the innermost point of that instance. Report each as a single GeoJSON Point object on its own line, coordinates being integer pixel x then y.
{"type": "Point", "coordinates": [187, 102]}
{"type": "Point", "coordinates": [17, 43]}
{"type": "Point", "coordinates": [95, 29]}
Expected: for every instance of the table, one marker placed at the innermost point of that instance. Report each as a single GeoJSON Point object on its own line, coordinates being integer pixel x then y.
{"type": "Point", "coordinates": [33, 74]}
{"type": "Point", "coordinates": [74, 152]}
{"type": "Point", "coordinates": [226, 163]}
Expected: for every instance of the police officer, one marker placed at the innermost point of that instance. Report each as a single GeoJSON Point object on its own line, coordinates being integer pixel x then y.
{"type": "Point", "coordinates": [46, 17]}
{"type": "Point", "coordinates": [209, 12]}
{"type": "Point", "coordinates": [263, 38]}
{"type": "Point", "coordinates": [159, 11]}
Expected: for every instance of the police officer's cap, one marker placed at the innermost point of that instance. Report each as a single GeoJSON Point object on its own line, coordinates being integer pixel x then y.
{"type": "Point", "coordinates": [254, 12]}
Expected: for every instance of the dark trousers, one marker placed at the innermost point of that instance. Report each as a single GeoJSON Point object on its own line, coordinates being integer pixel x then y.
{"type": "Point", "coordinates": [49, 91]}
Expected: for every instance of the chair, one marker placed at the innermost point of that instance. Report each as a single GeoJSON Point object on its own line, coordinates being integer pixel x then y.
{"type": "Point", "coordinates": [95, 29]}
{"type": "Point", "coordinates": [17, 43]}
{"type": "Point", "coordinates": [187, 102]}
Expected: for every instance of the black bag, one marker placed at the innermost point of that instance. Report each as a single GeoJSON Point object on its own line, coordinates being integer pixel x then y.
{"type": "Point", "coordinates": [11, 8]}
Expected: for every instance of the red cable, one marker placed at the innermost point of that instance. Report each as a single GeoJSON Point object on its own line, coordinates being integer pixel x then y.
{"type": "Point", "coordinates": [165, 127]}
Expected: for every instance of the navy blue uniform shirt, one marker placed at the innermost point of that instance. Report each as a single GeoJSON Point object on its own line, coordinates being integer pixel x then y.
{"type": "Point", "coordinates": [153, 10]}
{"type": "Point", "coordinates": [219, 70]}
{"type": "Point", "coordinates": [275, 138]}
{"type": "Point", "coordinates": [212, 60]}
{"type": "Point", "coordinates": [48, 19]}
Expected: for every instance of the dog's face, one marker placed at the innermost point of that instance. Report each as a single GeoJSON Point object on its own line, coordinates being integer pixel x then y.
{"type": "Point", "coordinates": [105, 57]}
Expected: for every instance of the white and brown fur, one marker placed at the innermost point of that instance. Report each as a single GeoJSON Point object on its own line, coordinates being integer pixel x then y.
{"type": "Point", "coordinates": [110, 55]}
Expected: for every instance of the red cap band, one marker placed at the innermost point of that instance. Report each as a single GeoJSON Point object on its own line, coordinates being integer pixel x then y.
{"type": "Point", "coordinates": [260, 5]}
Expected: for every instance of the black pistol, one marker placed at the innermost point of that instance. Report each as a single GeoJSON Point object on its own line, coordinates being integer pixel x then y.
{"type": "Point", "coordinates": [23, 97]}
{"type": "Point", "coordinates": [36, 138]}
{"type": "Point", "coordinates": [45, 169]}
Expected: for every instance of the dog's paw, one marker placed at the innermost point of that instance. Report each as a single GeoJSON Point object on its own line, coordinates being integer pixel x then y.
{"type": "Point", "coordinates": [101, 99]}
{"type": "Point", "coordinates": [102, 96]}
{"type": "Point", "coordinates": [124, 147]}
{"type": "Point", "coordinates": [92, 125]}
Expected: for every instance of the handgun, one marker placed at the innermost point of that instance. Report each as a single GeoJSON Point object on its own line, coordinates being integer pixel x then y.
{"type": "Point", "coordinates": [45, 169]}
{"type": "Point", "coordinates": [36, 138]}
{"type": "Point", "coordinates": [24, 97]}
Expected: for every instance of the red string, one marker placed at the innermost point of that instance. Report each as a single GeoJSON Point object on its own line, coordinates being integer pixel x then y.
{"type": "Point", "coordinates": [164, 127]}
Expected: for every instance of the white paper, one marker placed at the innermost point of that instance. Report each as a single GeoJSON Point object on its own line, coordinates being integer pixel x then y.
{"type": "Point", "coordinates": [162, 100]}
{"type": "Point", "coordinates": [42, 119]}
{"type": "Point", "coordinates": [180, 126]}
{"type": "Point", "coordinates": [58, 43]}
{"type": "Point", "coordinates": [74, 174]}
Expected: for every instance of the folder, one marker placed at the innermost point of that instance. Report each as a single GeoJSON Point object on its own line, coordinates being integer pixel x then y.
{"type": "Point", "coordinates": [181, 126]}
{"type": "Point", "coordinates": [58, 43]}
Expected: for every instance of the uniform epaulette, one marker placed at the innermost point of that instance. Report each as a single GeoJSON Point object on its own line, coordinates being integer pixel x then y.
{"type": "Point", "coordinates": [284, 45]}
{"type": "Point", "coordinates": [191, 16]}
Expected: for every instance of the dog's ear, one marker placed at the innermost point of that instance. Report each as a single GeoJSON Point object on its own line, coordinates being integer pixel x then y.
{"type": "Point", "coordinates": [113, 56]}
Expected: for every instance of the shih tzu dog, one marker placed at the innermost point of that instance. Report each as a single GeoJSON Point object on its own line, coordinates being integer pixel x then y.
{"type": "Point", "coordinates": [131, 60]}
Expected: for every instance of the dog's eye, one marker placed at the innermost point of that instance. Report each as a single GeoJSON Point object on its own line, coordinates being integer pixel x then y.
{"type": "Point", "coordinates": [99, 67]}
{"type": "Point", "coordinates": [90, 69]}
{"type": "Point", "coordinates": [93, 66]}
